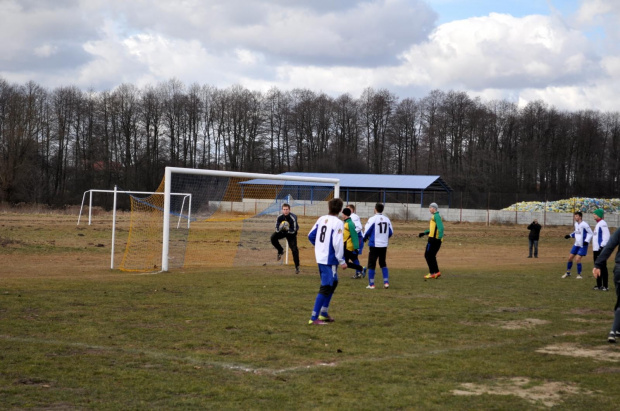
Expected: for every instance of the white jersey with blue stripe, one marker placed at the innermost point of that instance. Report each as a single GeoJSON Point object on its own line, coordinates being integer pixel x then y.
{"type": "Point", "coordinates": [357, 221]}
{"type": "Point", "coordinates": [378, 230]}
{"type": "Point", "coordinates": [583, 233]}
{"type": "Point", "coordinates": [326, 237]}
{"type": "Point", "coordinates": [601, 235]}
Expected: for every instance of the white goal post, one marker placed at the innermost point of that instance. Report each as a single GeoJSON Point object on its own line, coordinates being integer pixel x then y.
{"type": "Point", "coordinates": [226, 174]}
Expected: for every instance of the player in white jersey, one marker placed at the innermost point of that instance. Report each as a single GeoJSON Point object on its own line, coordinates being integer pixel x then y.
{"type": "Point", "coordinates": [327, 238]}
{"type": "Point", "coordinates": [582, 236]}
{"type": "Point", "coordinates": [360, 237]}
{"type": "Point", "coordinates": [377, 232]}
{"type": "Point", "coordinates": [600, 238]}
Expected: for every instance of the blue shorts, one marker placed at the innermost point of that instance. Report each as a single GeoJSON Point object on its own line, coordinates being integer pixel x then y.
{"type": "Point", "coordinates": [328, 274]}
{"type": "Point", "coordinates": [576, 250]}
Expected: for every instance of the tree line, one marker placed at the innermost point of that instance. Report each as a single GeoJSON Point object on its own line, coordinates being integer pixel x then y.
{"type": "Point", "coordinates": [56, 144]}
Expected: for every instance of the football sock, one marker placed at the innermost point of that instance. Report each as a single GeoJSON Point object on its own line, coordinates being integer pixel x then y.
{"type": "Point", "coordinates": [371, 276]}
{"type": "Point", "coordinates": [325, 306]}
{"type": "Point", "coordinates": [569, 265]}
{"type": "Point", "coordinates": [384, 270]}
{"type": "Point", "coordinates": [320, 298]}
{"type": "Point", "coordinates": [578, 268]}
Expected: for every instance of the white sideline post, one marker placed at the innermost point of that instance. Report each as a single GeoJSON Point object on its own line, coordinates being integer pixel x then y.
{"type": "Point", "coordinates": [168, 186]}
{"type": "Point", "coordinates": [113, 229]}
{"type": "Point", "coordinates": [288, 200]}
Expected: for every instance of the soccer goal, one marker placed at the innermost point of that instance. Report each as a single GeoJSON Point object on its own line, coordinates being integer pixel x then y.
{"type": "Point", "coordinates": [186, 204]}
{"type": "Point", "coordinates": [232, 218]}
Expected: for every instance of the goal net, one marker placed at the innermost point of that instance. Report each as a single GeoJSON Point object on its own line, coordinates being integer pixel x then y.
{"type": "Point", "coordinates": [226, 219]}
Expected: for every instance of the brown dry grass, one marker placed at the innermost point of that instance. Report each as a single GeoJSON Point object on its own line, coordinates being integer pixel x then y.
{"type": "Point", "coordinates": [53, 245]}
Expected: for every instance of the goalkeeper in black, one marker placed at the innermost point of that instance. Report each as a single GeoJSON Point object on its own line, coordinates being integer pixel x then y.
{"type": "Point", "coordinates": [287, 227]}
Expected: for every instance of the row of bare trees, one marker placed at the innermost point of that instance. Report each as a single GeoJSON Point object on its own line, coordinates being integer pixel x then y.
{"type": "Point", "coordinates": [55, 144]}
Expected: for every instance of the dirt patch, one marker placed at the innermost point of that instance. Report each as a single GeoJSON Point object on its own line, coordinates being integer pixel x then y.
{"type": "Point", "coordinates": [512, 309]}
{"type": "Point", "coordinates": [588, 311]}
{"type": "Point", "coordinates": [548, 393]}
{"type": "Point", "coordinates": [573, 350]}
{"type": "Point", "coordinates": [607, 370]}
{"type": "Point", "coordinates": [526, 323]}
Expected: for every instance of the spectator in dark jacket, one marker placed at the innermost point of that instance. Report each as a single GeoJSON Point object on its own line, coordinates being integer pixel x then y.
{"type": "Point", "coordinates": [534, 236]}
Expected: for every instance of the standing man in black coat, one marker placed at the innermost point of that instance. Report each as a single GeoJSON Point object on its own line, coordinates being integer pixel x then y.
{"type": "Point", "coordinates": [533, 237]}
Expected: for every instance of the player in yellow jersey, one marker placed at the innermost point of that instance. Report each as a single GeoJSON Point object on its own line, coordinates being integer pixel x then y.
{"type": "Point", "coordinates": [435, 237]}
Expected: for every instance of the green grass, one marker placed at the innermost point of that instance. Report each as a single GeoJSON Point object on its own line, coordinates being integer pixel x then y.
{"type": "Point", "coordinates": [239, 339]}
{"type": "Point", "coordinates": [75, 335]}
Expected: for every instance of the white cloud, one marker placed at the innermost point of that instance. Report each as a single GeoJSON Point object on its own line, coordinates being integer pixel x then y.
{"type": "Point", "coordinates": [45, 50]}
{"type": "Point", "coordinates": [322, 45]}
{"type": "Point", "coordinates": [316, 32]}
{"type": "Point", "coordinates": [486, 52]}
{"type": "Point", "coordinates": [592, 10]}
{"type": "Point", "coordinates": [248, 57]}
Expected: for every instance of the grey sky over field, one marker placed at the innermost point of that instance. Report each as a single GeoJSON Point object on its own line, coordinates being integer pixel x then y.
{"type": "Point", "coordinates": [564, 52]}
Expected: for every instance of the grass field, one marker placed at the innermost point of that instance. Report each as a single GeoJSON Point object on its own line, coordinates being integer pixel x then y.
{"type": "Point", "coordinates": [496, 331]}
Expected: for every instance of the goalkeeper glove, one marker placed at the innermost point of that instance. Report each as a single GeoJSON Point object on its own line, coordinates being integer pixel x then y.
{"type": "Point", "coordinates": [585, 243]}
{"type": "Point", "coordinates": [567, 236]}
{"type": "Point", "coordinates": [421, 235]}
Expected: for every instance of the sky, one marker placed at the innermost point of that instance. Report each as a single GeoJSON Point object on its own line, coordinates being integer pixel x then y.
{"type": "Point", "coordinates": [563, 52]}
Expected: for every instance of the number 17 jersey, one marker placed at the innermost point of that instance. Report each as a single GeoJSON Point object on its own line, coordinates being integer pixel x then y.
{"type": "Point", "coordinates": [378, 230]}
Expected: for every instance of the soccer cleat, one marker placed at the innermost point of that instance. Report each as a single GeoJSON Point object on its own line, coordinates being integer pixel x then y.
{"type": "Point", "coordinates": [612, 337]}
{"type": "Point", "coordinates": [596, 288]}
{"type": "Point", "coordinates": [279, 256]}
{"type": "Point", "coordinates": [370, 286]}
{"type": "Point", "coordinates": [579, 277]}
{"type": "Point", "coordinates": [297, 269]}
{"type": "Point", "coordinates": [386, 285]}
{"type": "Point", "coordinates": [435, 275]}
{"type": "Point", "coordinates": [357, 275]}
{"type": "Point", "coordinates": [566, 275]}
{"type": "Point", "coordinates": [529, 256]}
{"type": "Point", "coordinates": [327, 318]}
{"type": "Point", "coordinates": [604, 289]}
{"type": "Point", "coordinates": [364, 272]}
{"type": "Point", "coordinates": [316, 322]}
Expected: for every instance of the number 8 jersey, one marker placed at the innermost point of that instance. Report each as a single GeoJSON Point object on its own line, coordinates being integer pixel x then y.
{"type": "Point", "coordinates": [326, 237]}
{"type": "Point", "coordinates": [378, 230]}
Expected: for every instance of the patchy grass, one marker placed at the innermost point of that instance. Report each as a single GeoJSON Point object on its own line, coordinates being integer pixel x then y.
{"type": "Point", "coordinates": [496, 331]}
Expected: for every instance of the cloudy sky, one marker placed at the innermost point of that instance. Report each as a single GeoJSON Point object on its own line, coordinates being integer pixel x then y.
{"type": "Point", "coordinates": [565, 52]}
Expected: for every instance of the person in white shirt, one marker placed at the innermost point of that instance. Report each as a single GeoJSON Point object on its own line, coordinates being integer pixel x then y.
{"type": "Point", "coordinates": [360, 237]}
{"type": "Point", "coordinates": [377, 232]}
{"type": "Point", "coordinates": [600, 238]}
{"type": "Point", "coordinates": [327, 238]}
{"type": "Point", "coordinates": [582, 236]}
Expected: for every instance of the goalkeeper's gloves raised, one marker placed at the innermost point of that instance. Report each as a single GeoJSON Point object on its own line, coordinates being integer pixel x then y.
{"type": "Point", "coordinates": [585, 243]}
{"type": "Point", "coordinates": [421, 235]}
{"type": "Point", "coordinates": [567, 236]}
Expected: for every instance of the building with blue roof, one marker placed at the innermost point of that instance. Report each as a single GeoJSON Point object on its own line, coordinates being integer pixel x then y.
{"type": "Point", "coordinates": [407, 189]}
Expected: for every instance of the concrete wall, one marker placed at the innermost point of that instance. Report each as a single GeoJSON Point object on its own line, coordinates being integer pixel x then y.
{"type": "Point", "coordinates": [413, 212]}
